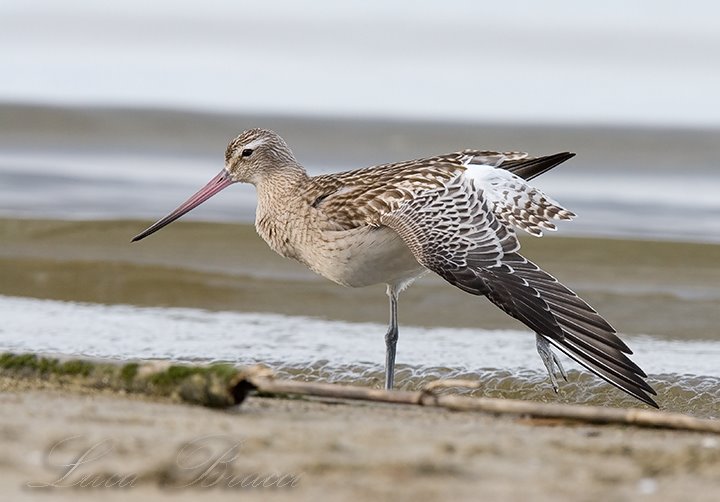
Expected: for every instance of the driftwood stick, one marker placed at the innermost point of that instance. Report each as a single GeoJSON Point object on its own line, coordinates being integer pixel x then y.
{"type": "Point", "coordinates": [579, 413]}
{"type": "Point", "coordinates": [225, 385]}
{"type": "Point", "coordinates": [272, 386]}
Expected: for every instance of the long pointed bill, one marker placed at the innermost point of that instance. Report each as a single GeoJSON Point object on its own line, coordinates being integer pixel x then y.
{"type": "Point", "coordinates": [216, 184]}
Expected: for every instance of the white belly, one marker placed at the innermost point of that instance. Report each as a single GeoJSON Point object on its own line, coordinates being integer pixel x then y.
{"type": "Point", "coordinates": [362, 257]}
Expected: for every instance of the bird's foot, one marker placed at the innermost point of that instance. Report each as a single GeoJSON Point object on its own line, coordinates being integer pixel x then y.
{"type": "Point", "coordinates": [550, 360]}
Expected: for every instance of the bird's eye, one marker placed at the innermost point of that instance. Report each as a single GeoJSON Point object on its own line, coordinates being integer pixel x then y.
{"type": "Point", "coordinates": [247, 152]}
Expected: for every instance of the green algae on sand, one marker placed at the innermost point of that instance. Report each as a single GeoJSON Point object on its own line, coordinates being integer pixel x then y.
{"type": "Point", "coordinates": [209, 385]}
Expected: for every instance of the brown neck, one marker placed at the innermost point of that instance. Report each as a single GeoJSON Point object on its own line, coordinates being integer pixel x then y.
{"type": "Point", "coordinates": [278, 186]}
{"type": "Point", "coordinates": [278, 204]}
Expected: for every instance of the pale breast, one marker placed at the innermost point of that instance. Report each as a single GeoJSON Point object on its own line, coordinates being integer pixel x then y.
{"type": "Point", "coordinates": [361, 257]}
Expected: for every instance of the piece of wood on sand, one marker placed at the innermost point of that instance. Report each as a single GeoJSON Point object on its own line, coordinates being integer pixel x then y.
{"type": "Point", "coordinates": [224, 385]}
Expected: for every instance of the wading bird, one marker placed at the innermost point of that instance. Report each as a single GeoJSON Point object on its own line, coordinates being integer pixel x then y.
{"type": "Point", "coordinates": [453, 214]}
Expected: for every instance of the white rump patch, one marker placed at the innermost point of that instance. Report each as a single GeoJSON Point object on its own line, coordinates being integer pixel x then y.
{"type": "Point", "coordinates": [482, 173]}
{"type": "Point", "coordinates": [516, 202]}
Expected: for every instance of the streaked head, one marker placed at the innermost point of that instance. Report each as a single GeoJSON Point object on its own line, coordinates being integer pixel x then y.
{"type": "Point", "coordinates": [253, 156]}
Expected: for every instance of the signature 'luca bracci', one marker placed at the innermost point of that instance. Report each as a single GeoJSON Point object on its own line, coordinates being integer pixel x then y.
{"type": "Point", "coordinates": [453, 214]}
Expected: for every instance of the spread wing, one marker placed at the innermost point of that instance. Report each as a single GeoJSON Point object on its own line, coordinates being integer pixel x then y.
{"type": "Point", "coordinates": [455, 232]}
{"type": "Point", "coordinates": [360, 197]}
{"type": "Point", "coordinates": [451, 230]}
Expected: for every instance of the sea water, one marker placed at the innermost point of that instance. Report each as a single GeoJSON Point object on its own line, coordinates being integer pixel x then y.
{"type": "Point", "coordinates": [684, 373]}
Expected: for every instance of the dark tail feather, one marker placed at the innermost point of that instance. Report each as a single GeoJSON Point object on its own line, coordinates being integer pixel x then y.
{"type": "Point", "coordinates": [531, 168]}
{"type": "Point", "coordinates": [535, 298]}
{"type": "Point", "coordinates": [603, 367]}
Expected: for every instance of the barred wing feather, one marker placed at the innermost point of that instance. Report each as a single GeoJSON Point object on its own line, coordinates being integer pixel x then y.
{"type": "Point", "coordinates": [455, 232]}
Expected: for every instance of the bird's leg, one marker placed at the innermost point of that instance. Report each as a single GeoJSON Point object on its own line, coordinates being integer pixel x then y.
{"type": "Point", "coordinates": [550, 360]}
{"type": "Point", "coordinates": [391, 338]}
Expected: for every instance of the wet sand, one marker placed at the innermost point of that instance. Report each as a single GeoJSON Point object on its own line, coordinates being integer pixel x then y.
{"type": "Point", "coordinates": [333, 450]}
{"type": "Point", "coordinates": [666, 289]}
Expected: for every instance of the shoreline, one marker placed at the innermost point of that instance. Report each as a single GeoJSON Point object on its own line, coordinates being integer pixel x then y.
{"type": "Point", "coordinates": [390, 452]}
{"type": "Point", "coordinates": [642, 287]}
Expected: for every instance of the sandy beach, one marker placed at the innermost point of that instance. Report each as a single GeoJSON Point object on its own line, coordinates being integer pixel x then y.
{"type": "Point", "coordinates": [329, 450]}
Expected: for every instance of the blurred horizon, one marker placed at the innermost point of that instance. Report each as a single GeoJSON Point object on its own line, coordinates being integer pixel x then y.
{"type": "Point", "coordinates": [641, 62]}
{"type": "Point", "coordinates": [117, 163]}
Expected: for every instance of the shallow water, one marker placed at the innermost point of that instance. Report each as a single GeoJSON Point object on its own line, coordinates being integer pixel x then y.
{"type": "Point", "coordinates": [685, 373]}
{"type": "Point", "coordinates": [103, 186]}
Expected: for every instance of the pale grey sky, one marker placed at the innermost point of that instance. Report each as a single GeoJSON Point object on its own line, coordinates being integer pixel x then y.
{"type": "Point", "coordinates": [633, 62]}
